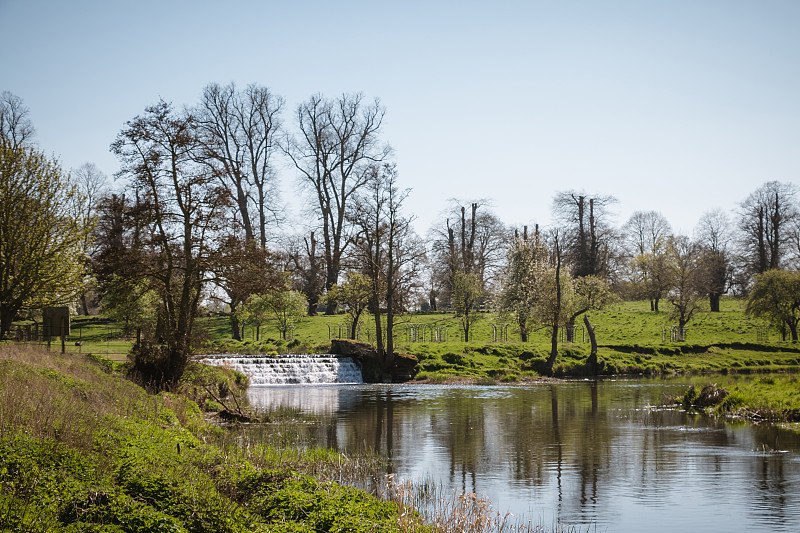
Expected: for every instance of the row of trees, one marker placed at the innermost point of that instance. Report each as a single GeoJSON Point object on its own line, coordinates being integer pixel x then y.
{"type": "Point", "coordinates": [198, 219]}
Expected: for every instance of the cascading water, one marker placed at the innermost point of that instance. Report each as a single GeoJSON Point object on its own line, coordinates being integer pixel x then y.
{"type": "Point", "coordinates": [290, 369]}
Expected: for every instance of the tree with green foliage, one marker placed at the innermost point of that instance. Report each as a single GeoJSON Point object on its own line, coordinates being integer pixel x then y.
{"type": "Point", "coordinates": [526, 264]}
{"type": "Point", "coordinates": [776, 297]}
{"type": "Point", "coordinates": [354, 295]}
{"type": "Point", "coordinates": [42, 259]}
{"type": "Point", "coordinates": [467, 293]}
{"type": "Point", "coordinates": [586, 293]}
{"type": "Point", "coordinates": [241, 267]}
{"type": "Point", "coordinates": [287, 306]}
{"type": "Point", "coordinates": [255, 311]}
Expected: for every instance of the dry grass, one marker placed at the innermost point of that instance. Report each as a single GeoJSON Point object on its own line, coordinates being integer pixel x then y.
{"type": "Point", "coordinates": [425, 504]}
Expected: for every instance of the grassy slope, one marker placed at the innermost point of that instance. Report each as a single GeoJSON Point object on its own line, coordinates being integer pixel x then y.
{"type": "Point", "coordinates": [84, 450]}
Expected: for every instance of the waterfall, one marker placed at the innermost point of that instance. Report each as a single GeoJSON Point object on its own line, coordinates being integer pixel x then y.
{"type": "Point", "coordinates": [290, 369]}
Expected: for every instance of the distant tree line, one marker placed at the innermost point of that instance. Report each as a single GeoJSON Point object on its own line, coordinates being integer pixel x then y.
{"type": "Point", "coordinates": [197, 221]}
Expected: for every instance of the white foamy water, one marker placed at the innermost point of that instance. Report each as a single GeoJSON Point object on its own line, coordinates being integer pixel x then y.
{"type": "Point", "coordinates": [290, 369]}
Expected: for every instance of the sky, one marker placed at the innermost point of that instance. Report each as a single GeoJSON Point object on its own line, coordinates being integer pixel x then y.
{"type": "Point", "coordinates": [675, 106]}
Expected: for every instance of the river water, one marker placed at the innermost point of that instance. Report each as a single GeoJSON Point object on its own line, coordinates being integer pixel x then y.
{"type": "Point", "coordinates": [599, 455]}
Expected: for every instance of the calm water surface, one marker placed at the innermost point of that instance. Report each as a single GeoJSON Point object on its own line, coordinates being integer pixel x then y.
{"type": "Point", "coordinates": [592, 454]}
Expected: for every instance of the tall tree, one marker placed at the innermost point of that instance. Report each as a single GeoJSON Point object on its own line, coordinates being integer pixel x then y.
{"type": "Point", "coordinates": [238, 133]}
{"type": "Point", "coordinates": [765, 223]}
{"type": "Point", "coordinates": [647, 233]}
{"type": "Point", "coordinates": [41, 238]}
{"type": "Point", "coordinates": [470, 240]}
{"type": "Point", "coordinates": [158, 152]}
{"type": "Point", "coordinates": [687, 289]}
{"type": "Point", "coordinates": [526, 269]}
{"type": "Point", "coordinates": [337, 145]}
{"type": "Point", "coordinates": [588, 236]}
{"type": "Point", "coordinates": [91, 184]}
{"type": "Point", "coordinates": [388, 251]}
{"type": "Point", "coordinates": [713, 238]}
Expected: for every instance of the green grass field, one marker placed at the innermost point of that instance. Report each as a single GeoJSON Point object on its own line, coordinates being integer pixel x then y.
{"type": "Point", "coordinates": [631, 338]}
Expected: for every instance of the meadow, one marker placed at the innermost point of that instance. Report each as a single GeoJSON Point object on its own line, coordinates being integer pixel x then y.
{"type": "Point", "coordinates": [632, 340]}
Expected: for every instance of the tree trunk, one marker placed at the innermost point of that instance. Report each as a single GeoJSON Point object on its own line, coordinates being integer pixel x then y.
{"type": "Point", "coordinates": [592, 361]}
{"type": "Point", "coordinates": [234, 321]}
{"type": "Point", "coordinates": [793, 329]}
{"type": "Point", "coordinates": [713, 301]}
{"type": "Point", "coordinates": [556, 313]}
{"type": "Point", "coordinates": [84, 304]}
{"type": "Point", "coordinates": [655, 303]}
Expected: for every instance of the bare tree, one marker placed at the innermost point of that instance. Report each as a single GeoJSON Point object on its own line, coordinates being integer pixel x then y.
{"type": "Point", "coordinates": [713, 237]}
{"type": "Point", "coordinates": [388, 251]}
{"type": "Point", "coordinates": [91, 184]}
{"type": "Point", "coordinates": [306, 263]}
{"type": "Point", "coordinates": [16, 128]}
{"type": "Point", "coordinates": [687, 289]}
{"type": "Point", "coordinates": [238, 133]}
{"type": "Point", "coordinates": [587, 239]}
{"type": "Point", "coordinates": [337, 146]}
{"type": "Point", "coordinates": [470, 242]}
{"type": "Point", "coordinates": [646, 234]}
{"type": "Point", "coordinates": [765, 223]}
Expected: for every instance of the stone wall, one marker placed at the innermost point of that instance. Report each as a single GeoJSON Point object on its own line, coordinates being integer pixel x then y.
{"type": "Point", "coordinates": [403, 368]}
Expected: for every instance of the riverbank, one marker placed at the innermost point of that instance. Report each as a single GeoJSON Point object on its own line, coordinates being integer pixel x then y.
{"type": "Point", "coordinates": [83, 449]}
{"type": "Point", "coordinates": [773, 398]}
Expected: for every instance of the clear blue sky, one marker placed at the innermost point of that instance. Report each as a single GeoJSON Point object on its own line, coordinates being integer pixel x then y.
{"type": "Point", "coordinates": [676, 106]}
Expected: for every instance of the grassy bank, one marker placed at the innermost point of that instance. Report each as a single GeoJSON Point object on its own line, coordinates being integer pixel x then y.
{"type": "Point", "coordinates": [82, 449]}
{"type": "Point", "coordinates": [772, 398]}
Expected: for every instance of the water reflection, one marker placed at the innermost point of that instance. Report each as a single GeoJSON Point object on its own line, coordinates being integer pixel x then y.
{"type": "Point", "coordinates": [585, 453]}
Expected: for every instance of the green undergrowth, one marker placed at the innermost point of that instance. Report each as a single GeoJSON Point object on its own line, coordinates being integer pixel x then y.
{"type": "Point", "coordinates": [82, 449]}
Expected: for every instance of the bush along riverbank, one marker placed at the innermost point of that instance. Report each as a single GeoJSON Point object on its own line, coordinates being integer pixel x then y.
{"type": "Point", "coordinates": [772, 398]}
{"type": "Point", "coordinates": [83, 449]}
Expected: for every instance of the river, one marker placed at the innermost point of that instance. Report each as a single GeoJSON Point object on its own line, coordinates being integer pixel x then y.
{"type": "Point", "coordinates": [599, 455]}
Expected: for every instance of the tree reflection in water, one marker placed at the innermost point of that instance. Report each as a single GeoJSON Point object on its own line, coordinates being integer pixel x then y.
{"type": "Point", "coordinates": [584, 453]}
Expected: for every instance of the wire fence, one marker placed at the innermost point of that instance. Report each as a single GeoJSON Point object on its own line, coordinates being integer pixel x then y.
{"type": "Point", "coordinates": [97, 339]}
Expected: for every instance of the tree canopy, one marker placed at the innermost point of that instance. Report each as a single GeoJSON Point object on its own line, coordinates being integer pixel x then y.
{"type": "Point", "coordinates": [42, 259]}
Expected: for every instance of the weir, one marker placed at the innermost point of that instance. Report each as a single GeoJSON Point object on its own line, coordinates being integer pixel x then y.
{"type": "Point", "coordinates": [290, 369]}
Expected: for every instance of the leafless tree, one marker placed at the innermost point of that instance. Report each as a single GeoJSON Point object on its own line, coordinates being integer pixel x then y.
{"type": "Point", "coordinates": [337, 146]}
{"type": "Point", "coordinates": [766, 218]}
{"type": "Point", "coordinates": [388, 250]}
{"type": "Point", "coordinates": [713, 238]}
{"type": "Point", "coordinates": [587, 233]}
{"type": "Point", "coordinates": [91, 184]}
{"type": "Point", "coordinates": [471, 240]}
{"type": "Point", "coordinates": [306, 263]}
{"type": "Point", "coordinates": [238, 131]}
{"type": "Point", "coordinates": [646, 235]}
{"type": "Point", "coordinates": [16, 127]}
